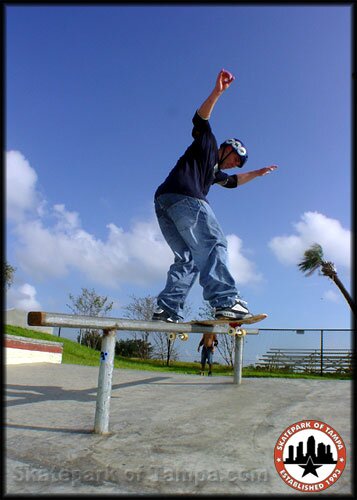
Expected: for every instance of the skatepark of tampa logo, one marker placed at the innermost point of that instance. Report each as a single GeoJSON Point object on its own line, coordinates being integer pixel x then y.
{"type": "Point", "coordinates": [310, 456]}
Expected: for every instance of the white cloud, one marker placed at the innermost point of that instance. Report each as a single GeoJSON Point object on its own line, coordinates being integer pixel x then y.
{"type": "Point", "coordinates": [23, 297]}
{"type": "Point", "coordinates": [138, 256]}
{"type": "Point", "coordinates": [242, 269]}
{"type": "Point", "coordinates": [53, 247]}
{"type": "Point", "coordinates": [21, 179]}
{"type": "Point", "coordinates": [314, 228]}
{"type": "Point", "coordinates": [331, 296]}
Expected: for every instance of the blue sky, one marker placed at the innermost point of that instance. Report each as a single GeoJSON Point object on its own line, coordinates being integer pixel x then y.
{"type": "Point", "coordinates": [99, 102]}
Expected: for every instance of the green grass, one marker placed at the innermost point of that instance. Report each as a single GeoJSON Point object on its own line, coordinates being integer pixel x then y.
{"type": "Point", "coordinates": [76, 354]}
{"type": "Point", "coordinates": [73, 353]}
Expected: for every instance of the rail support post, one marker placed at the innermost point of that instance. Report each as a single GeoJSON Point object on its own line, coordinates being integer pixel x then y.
{"type": "Point", "coordinates": [238, 359]}
{"type": "Point", "coordinates": [101, 422]}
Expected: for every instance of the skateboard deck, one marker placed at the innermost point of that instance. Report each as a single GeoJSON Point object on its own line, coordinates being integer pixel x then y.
{"type": "Point", "coordinates": [231, 322]}
{"type": "Point", "coordinates": [233, 325]}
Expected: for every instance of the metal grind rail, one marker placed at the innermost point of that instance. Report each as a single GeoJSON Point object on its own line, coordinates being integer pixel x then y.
{"type": "Point", "coordinates": [110, 326]}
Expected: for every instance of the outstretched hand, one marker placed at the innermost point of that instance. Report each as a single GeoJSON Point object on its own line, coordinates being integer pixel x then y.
{"type": "Point", "coordinates": [245, 177]}
{"type": "Point", "coordinates": [267, 170]}
{"type": "Point", "coordinates": [224, 80]}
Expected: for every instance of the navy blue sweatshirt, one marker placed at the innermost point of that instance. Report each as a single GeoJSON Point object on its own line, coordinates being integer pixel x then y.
{"type": "Point", "coordinates": [196, 170]}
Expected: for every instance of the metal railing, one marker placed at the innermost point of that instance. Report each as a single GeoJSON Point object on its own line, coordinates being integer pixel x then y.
{"type": "Point", "coordinates": [110, 326]}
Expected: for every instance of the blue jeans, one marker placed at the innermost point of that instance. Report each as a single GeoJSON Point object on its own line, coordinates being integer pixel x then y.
{"type": "Point", "coordinates": [190, 228]}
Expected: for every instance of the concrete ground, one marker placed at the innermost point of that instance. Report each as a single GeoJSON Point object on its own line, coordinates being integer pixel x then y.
{"type": "Point", "coordinates": [169, 433]}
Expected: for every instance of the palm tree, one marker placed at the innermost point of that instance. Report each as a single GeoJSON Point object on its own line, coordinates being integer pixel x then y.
{"type": "Point", "coordinates": [313, 260]}
{"type": "Point", "coordinates": [9, 272]}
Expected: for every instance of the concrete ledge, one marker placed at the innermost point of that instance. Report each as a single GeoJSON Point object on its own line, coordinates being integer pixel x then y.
{"type": "Point", "coordinates": [19, 350]}
{"type": "Point", "coordinates": [18, 317]}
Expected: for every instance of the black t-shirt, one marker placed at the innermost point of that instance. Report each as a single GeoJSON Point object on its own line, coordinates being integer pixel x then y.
{"type": "Point", "coordinates": [196, 170]}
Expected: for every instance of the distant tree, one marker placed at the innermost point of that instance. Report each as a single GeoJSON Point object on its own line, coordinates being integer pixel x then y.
{"type": "Point", "coordinates": [163, 348]}
{"type": "Point", "coordinates": [90, 338]}
{"type": "Point", "coordinates": [9, 272]}
{"type": "Point", "coordinates": [225, 342]}
{"type": "Point", "coordinates": [89, 303]}
{"type": "Point", "coordinates": [141, 308]}
{"type": "Point", "coordinates": [131, 348]}
{"type": "Point", "coordinates": [313, 260]}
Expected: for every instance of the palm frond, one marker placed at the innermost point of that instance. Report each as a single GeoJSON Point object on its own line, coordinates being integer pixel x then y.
{"type": "Point", "coordinates": [312, 260]}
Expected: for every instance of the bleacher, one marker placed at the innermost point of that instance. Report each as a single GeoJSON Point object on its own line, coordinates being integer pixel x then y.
{"type": "Point", "coordinates": [308, 360]}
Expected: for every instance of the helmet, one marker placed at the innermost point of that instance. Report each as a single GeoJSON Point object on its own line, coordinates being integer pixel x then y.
{"type": "Point", "coordinates": [239, 148]}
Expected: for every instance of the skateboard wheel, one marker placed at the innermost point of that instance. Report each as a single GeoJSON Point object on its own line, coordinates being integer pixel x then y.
{"type": "Point", "coordinates": [184, 336]}
{"type": "Point", "coordinates": [241, 332]}
{"type": "Point", "coordinates": [231, 331]}
{"type": "Point", "coordinates": [172, 336]}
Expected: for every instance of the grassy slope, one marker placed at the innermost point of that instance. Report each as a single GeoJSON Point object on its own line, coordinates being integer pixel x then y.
{"type": "Point", "coordinates": [74, 353]}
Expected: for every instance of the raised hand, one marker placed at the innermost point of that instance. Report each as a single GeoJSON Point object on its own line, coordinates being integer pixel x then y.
{"type": "Point", "coordinates": [224, 80]}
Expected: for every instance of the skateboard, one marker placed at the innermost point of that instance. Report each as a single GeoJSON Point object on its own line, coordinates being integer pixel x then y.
{"type": "Point", "coordinates": [234, 326]}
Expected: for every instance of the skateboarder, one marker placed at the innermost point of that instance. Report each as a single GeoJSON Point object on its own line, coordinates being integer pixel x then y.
{"type": "Point", "coordinates": [208, 342]}
{"type": "Point", "coordinates": [188, 223]}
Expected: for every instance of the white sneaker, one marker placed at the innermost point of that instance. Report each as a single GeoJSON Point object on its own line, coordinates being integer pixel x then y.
{"type": "Point", "coordinates": [238, 310]}
{"type": "Point", "coordinates": [162, 315]}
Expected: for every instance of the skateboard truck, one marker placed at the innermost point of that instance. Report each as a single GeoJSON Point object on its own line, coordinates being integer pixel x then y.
{"type": "Point", "coordinates": [183, 336]}
{"type": "Point", "coordinates": [234, 330]}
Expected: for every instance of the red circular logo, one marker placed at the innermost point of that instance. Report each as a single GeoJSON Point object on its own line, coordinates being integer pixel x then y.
{"type": "Point", "coordinates": [310, 456]}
